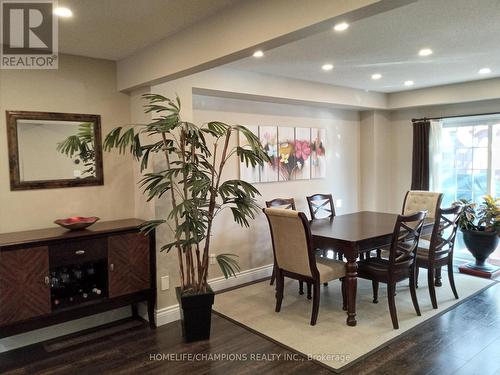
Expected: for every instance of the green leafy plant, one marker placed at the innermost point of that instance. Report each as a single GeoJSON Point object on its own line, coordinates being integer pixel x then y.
{"type": "Point", "coordinates": [485, 217]}
{"type": "Point", "coordinates": [82, 145]}
{"type": "Point", "coordinates": [192, 180]}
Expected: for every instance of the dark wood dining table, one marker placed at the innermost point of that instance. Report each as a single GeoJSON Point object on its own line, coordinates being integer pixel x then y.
{"type": "Point", "coordinates": [354, 234]}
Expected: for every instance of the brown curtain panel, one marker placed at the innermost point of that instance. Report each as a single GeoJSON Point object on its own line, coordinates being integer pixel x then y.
{"type": "Point", "coordinates": [420, 161]}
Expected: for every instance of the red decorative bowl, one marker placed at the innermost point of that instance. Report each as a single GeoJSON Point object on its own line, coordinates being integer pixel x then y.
{"type": "Point", "coordinates": [77, 222]}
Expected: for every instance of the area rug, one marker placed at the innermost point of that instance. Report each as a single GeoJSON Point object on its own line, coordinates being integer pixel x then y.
{"type": "Point", "coordinates": [331, 342]}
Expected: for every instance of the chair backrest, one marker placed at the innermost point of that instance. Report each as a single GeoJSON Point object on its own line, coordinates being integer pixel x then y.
{"type": "Point", "coordinates": [321, 206]}
{"type": "Point", "coordinates": [287, 203]}
{"type": "Point", "coordinates": [444, 231]}
{"type": "Point", "coordinates": [417, 200]}
{"type": "Point", "coordinates": [292, 244]}
{"type": "Point", "coordinates": [405, 239]}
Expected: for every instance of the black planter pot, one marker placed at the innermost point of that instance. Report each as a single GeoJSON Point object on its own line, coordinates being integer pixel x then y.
{"type": "Point", "coordinates": [481, 244]}
{"type": "Point", "coordinates": [196, 314]}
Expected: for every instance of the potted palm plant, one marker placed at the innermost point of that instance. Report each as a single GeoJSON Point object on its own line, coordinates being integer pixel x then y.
{"type": "Point", "coordinates": [195, 157]}
{"type": "Point", "coordinates": [480, 226]}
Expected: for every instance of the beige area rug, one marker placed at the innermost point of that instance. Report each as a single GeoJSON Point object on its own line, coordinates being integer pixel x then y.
{"type": "Point", "coordinates": [331, 342]}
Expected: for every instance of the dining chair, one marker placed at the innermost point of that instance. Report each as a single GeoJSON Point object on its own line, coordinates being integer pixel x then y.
{"type": "Point", "coordinates": [321, 207]}
{"type": "Point", "coordinates": [400, 265]}
{"type": "Point", "coordinates": [420, 200]}
{"type": "Point", "coordinates": [438, 252]}
{"type": "Point", "coordinates": [289, 204]}
{"type": "Point", "coordinates": [294, 256]}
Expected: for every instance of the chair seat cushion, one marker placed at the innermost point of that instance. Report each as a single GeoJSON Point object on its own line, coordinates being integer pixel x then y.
{"type": "Point", "coordinates": [423, 253]}
{"type": "Point", "coordinates": [385, 250]}
{"type": "Point", "coordinates": [329, 269]}
{"type": "Point", "coordinates": [377, 265]}
{"type": "Point", "coordinates": [378, 268]}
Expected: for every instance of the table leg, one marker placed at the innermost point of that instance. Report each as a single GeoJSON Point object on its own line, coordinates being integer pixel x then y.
{"type": "Point", "coordinates": [352, 285]}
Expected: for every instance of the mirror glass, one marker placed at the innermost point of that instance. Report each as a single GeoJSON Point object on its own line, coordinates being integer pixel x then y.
{"type": "Point", "coordinates": [54, 150]}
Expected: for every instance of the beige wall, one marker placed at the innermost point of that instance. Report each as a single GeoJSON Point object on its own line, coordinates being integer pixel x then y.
{"type": "Point", "coordinates": [80, 85]}
{"type": "Point", "coordinates": [376, 142]}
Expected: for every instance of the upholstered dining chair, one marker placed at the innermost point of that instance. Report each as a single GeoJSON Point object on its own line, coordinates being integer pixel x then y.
{"type": "Point", "coordinates": [294, 256]}
{"type": "Point", "coordinates": [400, 265]}
{"type": "Point", "coordinates": [419, 200]}
{"type": "Point", "coordinates": [438, 252]}
{"type": "Point", "coordinates": [288, 204]}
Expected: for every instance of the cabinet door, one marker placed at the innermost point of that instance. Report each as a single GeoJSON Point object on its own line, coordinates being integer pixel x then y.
{"type": "Point", "coordinates": [128, 264]}
{"type": "Point", "coordinates": [24, 292]}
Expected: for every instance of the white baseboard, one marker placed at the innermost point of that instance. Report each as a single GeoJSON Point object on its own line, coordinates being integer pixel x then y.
{"type": "Point", "coordinates": [171, 313]}
{"type": "Point", "coordinates": [167, 315]}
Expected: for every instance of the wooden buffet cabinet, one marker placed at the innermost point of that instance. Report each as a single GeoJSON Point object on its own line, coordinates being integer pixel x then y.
{"type": "Point", "coordinates": [53, 275]}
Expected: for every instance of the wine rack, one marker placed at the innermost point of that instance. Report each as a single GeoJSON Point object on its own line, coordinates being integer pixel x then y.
{"type": "Point", "coordinates": [78, 283]}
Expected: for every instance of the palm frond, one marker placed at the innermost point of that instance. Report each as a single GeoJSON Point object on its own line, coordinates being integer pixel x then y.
{"type": "Point", "coordinates": [228, 265]}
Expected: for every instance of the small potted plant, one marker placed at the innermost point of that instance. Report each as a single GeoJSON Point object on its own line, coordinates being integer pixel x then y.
{"type": "Point", "coordinates": [192, 179]}
{"type": "Point", "coordinates": [480, 226]}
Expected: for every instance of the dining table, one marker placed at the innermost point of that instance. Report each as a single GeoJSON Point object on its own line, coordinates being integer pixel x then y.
{"type": "Point", "coordinates": [352, 235]}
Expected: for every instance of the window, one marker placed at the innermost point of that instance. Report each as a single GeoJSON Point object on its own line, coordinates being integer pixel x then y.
{"type": "Point", "coordinates": [470, 158]}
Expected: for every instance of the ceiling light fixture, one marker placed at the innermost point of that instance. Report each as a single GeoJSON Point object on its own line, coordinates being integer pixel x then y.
{"type": "Point", "coordinates": [484, 71]}
{"type": "Point", "coordinates": [258, 54]}
{"type": "Point", "coordinates": [376, 76]}
{"type": "Point", "coordinates": [409, 83]}
{"type": "Point", "coordinates": [63, 12]}
{"type": "Point", "coordinates": [425, 52]}
{"type": "Point", "coordinates": [327, 67]}
{"type": "Point", "coordinates": [341, 26]}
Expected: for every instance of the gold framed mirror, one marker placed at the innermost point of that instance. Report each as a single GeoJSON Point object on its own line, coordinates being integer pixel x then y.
{"type": "Point", "coordinates": [54, 150]}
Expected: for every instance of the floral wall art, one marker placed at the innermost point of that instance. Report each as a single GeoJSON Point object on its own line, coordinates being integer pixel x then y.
{"type": "Point", "coordinates": [268, 136]}
{"type": "Point", "coordinates": [318, 158]}
{"type": "Point", "coordinates": [295, 153]}
{"type": "Point", "coordinates": [302, 153]}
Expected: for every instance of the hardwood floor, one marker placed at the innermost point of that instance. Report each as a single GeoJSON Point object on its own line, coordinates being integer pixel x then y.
{"type": "Point", "coordinates": [465, 340]}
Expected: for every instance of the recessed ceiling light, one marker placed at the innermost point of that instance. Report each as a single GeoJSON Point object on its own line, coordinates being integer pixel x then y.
{"type": "Point", "coordinates": [425, 52]}
{"type": "Point", "coordinates": [341, 26]}
{"type": "Point", "coordinates": [63, 12]}
{"type": "Point", "coordinates": [409, 83]}
{"type": "Point", "coordinates": [376, 76]}
{"type": "Point", "coordinates": [258, 53]}
{"type": "Point", "coordinates": [327, 67]}
{"type": "Point", "coordinates": [484, 71]}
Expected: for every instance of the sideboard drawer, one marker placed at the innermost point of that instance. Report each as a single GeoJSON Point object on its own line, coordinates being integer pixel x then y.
{"type": "Point", "coordinates": [78, 251]}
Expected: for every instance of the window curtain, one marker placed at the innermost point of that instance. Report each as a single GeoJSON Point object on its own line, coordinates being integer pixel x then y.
{"type": "Point", "coordinates": [435, 155]}
{"type": "Point", "coordinates": [420, 160]}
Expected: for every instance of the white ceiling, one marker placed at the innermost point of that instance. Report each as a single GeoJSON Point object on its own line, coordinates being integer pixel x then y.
{"type": "Point", "coordinates": [464, 35]}
{"type": "Point", "coordinates": [113, 29]}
